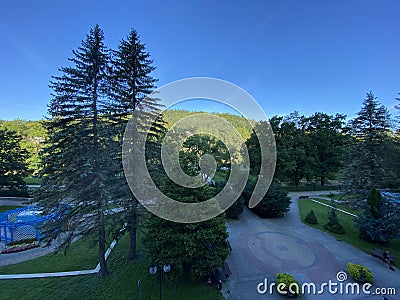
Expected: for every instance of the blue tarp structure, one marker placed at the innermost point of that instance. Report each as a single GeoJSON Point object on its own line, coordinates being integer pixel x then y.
{"type": "Point", "coordinates": [21, 223]}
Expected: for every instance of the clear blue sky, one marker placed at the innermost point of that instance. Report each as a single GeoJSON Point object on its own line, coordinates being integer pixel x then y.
{"type": "Point", "coordinates": [290, 55]}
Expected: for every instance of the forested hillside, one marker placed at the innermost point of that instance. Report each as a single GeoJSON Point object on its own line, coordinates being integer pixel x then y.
{"type": "Point", "coordinates": [33, 132]}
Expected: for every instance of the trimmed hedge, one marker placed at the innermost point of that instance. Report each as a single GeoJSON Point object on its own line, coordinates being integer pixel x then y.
{"type": "Point", "coordinates": [291, 286]}
{"type": "Point", "coordinates": [14, 193]}
{"type": "Point", "coordinates": [360, 273]}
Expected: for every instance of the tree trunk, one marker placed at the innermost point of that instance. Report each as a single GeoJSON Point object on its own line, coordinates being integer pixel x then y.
{"type": "Point", "coordinates": [99, 192]}
{"type": "Point", "coordinates": [133, 230]}
{"type": "Point", "coordinates": [102, 245]}
{"type": "Point", "coordinates": [296, 177]}
{"type": "Point", "coordinates": [322, 180]}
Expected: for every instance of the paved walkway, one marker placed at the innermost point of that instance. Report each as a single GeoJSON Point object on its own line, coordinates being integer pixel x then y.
{"type": "Point", "coordinates": [263, 247]}
{"type": "Point", "coordinates": [14, 258]}
{"type": "Point", "coordinates": [14, 201]}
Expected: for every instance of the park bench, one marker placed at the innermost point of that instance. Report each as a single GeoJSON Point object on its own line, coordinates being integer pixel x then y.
{"type": "Point", "coordinates": [226, 270]}
{"type": "Point", "coordinates": [303, 197]}
{"type": "Point", "coordinates": [379, 254]}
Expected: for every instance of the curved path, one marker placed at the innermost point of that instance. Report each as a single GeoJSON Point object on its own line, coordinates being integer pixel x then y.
{"type": "Point", "coordinates": [263, 247]}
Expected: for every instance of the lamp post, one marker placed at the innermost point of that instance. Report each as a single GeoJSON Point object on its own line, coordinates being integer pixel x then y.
{"type": "Point", "coordinates": [153, 271]}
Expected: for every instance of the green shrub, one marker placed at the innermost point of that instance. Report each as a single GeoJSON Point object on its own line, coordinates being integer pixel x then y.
{"type": "Point", "coordinates": [274, 204]}
{"type": "Point", "coordinates": [311, 218]}
{"type": "Point", "coordinates": [235, 209]}
{"type": "Point", "coordinates": [374, 201]}
{"type": "Point", "coordinates": [360, 273]}
{"type": "Point", "coordinates": [291, 286]}
{"type": "Point", "coordinates": [10, 192]}
{"type": "Point", "coordinates": [333, 224]}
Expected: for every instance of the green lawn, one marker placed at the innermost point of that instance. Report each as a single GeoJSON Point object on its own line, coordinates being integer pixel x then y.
{"type": "Point", "coordinates": [340, 206]}
{"type": "Point", "coordinates": [309, 188]}
{"type": "Point", "coordinates": [351, 236]}
{"type": "Point", "coordinates": [32, 180]}
{"type": "Point", "coordinates": [4, 208]}
{"type": "Point", "coordinates": [339, 196]}
{"type": "Point", "coordinates": [120, 284]}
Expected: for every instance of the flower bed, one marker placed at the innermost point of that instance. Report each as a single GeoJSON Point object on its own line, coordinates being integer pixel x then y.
{"type": "Point", "coordinates": [13, 248]}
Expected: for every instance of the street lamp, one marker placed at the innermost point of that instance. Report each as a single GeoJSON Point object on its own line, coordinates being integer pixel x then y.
{"type": "Point", "coordinates": [153, 271]}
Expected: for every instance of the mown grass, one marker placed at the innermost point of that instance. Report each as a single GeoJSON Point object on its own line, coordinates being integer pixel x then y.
{"type": "Point", "coordinates": [121, 283]}
{"type": "Point", "coordinates": [4, 208]}
{"type": "Point", "coordinates": [352, 235]}
{"type": "Point", "coordinates": [32, 180]}
{"type": "Point", "coordinates": [310, 188]}
{"type": "Point", "coordinates": [339, 196]}
{"type": "Point", "coordinates": [81, 256]}
{"type": "Point", "coordinates": [339, 205]}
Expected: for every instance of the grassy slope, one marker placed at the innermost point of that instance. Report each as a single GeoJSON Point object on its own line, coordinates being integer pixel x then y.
{"type": "Point", "coordinates": [32, 180]}
{"type": "Point", "coordinates": [120, 284]}
{"type": "Point", "coordinates": [340, 206]}
{"type": "Point", "coordinates": [351, 236]}
{"type": "Point", "coordinates": [4, 208]}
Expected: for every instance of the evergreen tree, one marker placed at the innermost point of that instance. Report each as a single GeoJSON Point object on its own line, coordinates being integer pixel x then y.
{"type": "Point", "coordinates": [366, 164]}
{"type": "Point", "coordinates": [195, 248]}
{"type": "Point", "coordinates": [395, 159]}
{"type": "Point", "coordinates": [333, 224]}
{"type": "Point", "coordinates": [311, 218]}
{"type": "Point", "coordinates": [77, 158]}
{"type": "Point", "coordinates": [130, 85]}
{"type": "Point", "coordinates": [13, 166]}
{"type": "Point", "coordinates": [379, 224]}
{"type": "Point", "coordinates": [374, 200]}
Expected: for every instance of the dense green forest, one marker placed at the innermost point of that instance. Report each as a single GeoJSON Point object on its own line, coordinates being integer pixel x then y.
{"type": "Point", "coordinates": [313, 149]}
{"type": "Point", "coordinates": [33, 132]}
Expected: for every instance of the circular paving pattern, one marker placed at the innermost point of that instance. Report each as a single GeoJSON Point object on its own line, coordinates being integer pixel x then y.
{"type": "Point", "coordinates": [280, 251]}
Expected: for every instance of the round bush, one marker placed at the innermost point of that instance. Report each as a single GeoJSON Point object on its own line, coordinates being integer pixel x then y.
{"type": "Point", "coordinates": [360, 273]}
{"type": "Point", "coordinates": [290, 285]}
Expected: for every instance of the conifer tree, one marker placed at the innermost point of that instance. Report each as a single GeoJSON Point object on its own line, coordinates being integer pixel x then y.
{"type": "Point", "coordinates": [333, 224]}
{"type": "Point", "coordinates": [366, 165]}
{"type": "Point", "coordinates": [131, 83]}
{"type": "Point", "coordinates": [77, 164]}
{"type": "Point", "coordinates": [311, 218]}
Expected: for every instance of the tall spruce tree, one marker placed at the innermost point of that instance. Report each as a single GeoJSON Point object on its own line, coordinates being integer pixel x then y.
{"type": "Point", "coordinates": [131, 84]}
{"type": "Point", "coordinates": [366, 165]}
{"type": "Point", "coordinates": [77, 164]}
{"type": "Point", "coordinates": [380, 219]}
{"type": "Point", "coordinates": [396, 144]}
